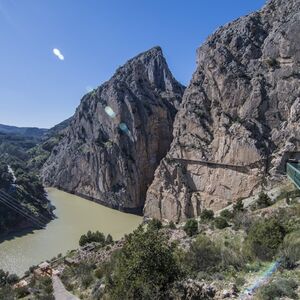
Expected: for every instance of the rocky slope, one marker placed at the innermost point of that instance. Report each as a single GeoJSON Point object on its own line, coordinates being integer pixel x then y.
{"type": "Point", "coordinates": [118, 135]}
{"type": "Point", "coordinates": [240, 116]}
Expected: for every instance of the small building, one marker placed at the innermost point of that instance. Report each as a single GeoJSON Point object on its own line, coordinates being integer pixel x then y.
{"type": "Point", "coordinates": [44, 269]}
{"type": "Point", "coordinates": [21, 284]}
{"type": "Point", "coordinates": [70, 262]}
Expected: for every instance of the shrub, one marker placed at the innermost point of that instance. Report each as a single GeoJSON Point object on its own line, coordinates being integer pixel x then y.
{"type": "Point", "coordinates": [172, 225]}
{"type": "Point", "coordinates": [272, 62]}
{"type": "Point", "coordinates": [278, 289]}
{"type": "Point", "coordinates": [109, 239]}
{"type": "Point", "coordinates": [226, 214]}
{"type": "Point", "coordinates": [264, 239]}
{"type": "Point", "coordinates": [154, 224]}
{"type": "Point", "coordinates": [203, 255]}
{"type": "Point", "coordinates": [291, 249]}
{"type": "Point", "coordinates": [191, 227]}
{"type": "Point", "coordinates": [242, 220]}
{"type": "Point", "coordinates": [207, 215]}
{"type": "Point", "coordinates": [240, 281]}
{"type": "Point", "coordinates": [92, 237]}
{"type": "Point", "coordinates": [12, 279]}
{"type": "Point", "coordinates": [145, 268]}
{"type": "Point", "coordinates": [220, 223]}
{"type": "Point", "coordinates": [263, 200]}
{"type": "Point", "coordinates": [22, 292]}
{"type": "Point", "coordinates": [238, 206]}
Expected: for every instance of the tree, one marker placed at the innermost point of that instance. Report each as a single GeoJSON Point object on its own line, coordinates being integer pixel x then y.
{"type": "Point", "coordinates": [191, 227]}
{"type": "Point", "coordinates": [90, 237]}
{"type": "Point", "coordinates": [109, 239]}
{"type": "Point", "coordinates": [264, 239]}
{"type": "Point", "coordinates": [145, 268]}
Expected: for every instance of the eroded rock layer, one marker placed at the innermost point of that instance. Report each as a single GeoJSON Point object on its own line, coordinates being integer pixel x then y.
{"type": "Point", "coordinates": [240, 117]}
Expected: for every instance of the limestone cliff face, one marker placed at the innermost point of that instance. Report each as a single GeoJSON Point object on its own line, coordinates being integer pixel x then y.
{"type": "Point", "coordinates": [118, 135]}
{"type": "Point", "coordinates": [240, 116]}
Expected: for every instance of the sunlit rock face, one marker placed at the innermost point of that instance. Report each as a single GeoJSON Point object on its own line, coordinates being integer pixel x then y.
{"type": "Point", "coordinates": [240, 111]}
{"type": "Point", "coordinates": [118, 135]}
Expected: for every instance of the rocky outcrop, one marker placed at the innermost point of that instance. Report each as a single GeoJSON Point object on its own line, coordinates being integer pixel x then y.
{"type": "Point", "coordinates": [240, 117]}
{"type": "Point", "coordinates": [118, 135]}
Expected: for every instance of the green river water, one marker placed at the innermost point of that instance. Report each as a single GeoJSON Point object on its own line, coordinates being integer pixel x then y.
{"type": "Point", "coordinates": [75, 216]}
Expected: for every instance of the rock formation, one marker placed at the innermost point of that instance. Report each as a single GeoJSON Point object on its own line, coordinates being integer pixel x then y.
{"type": "Point", "coordinates": [239, 120]}
{"type": "Point", "coordinates": [118, 135]}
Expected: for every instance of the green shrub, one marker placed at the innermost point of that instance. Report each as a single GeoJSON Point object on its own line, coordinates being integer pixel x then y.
{"type": "Point", "coordinates": [226, 214]}
{"type": "Point", "coordinates": [272, 62]}
{"type": "Point", "coordinates": [145, 268]}
{"type": "Point", "coordinates": [92, 237]}
{"type": "Point", "coordinates": [291, 249]}
{"type": "Point", "coordinates": [263, 201]}
{"type": "Point", "coordinates": [238, 206]}
{"type": "Point", "coordinates": [172, 225]}
{"type": "Point", "coordinates": [278, 289]}
{"type": "Point", "coordinates": [264, 239]}
{"type": "Point", "coordinates": [154, 224]}
{"type": "Point", "coordinates": [21, 292]}
{"type": "Point", "coordinates": [203, 255]}
{"type": "Point", "coordinates": [220, 223]}
{"type": "Point", "coordinates": [191, 227]}
{"type": "Point", "coordinates": [109, 239]}
{"type": "Point", "coordinates": [240, 281]}
{"type": "Point", "coordinates": [207, 214]}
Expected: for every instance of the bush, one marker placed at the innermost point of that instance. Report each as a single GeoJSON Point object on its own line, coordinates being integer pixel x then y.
{"type": "Point", "coordinates": [203, 255]}
{"type": "Point", "coordinates": [154, 224]}
{"type": "Point", "coordinates": [145, 268]}
{"type": "Point", "coordinates": [12, 279]}
{"type": "Point", "coordinates": [238, 206]}
{"type": "Point", "coordinates": [191, 227]}
{"type": "Point", "coordinates": [109, 239]}
{"type": "Point", "coordinates": [263, 200]}
{"type": "Point", "coordinates": [207, 214]}
{"type": "Point", "coordinates": [278, 289]}
{"type": "Point", "coordinates": [220, 223]}
{"type": "Point", "coordinates": [92, 237]}
{"type": "Point", "coordinates": [226, 214]}
{"type": "Point", "coordinates": [172, 225]}
{"type": "Point", "coordinates": [291, 249]}
{"type": "Point", "coordinates": [264, 239]}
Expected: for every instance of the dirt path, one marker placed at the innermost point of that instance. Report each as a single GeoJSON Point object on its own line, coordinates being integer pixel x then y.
{"type": "Point", "coordinates": [60, 292]}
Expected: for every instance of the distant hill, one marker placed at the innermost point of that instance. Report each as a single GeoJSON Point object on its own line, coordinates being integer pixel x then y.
{"type": "Point", "coordinates": [23, 131]}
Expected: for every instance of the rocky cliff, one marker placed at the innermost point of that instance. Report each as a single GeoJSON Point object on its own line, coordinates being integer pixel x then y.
{"type": "Point", "coordinates": [240, 117]}
{"type": "Point", "coordinates": [118, 135]}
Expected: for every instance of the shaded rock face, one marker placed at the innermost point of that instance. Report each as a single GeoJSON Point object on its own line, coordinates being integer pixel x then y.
{"type": "Point", "coordinates": [240, 116]}
{"type": "Point", "coordinates": [118, 135]}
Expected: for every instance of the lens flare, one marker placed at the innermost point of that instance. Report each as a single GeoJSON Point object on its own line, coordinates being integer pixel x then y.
{"type": "Point", "coordinates": [260, 280]}
{"type": "Point", "coordinates": [109, 111]}
{"type": "Point", "coordinates": [58, 54]}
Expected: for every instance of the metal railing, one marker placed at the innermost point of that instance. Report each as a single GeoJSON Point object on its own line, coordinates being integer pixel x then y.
{"type": "Point", "coordinates": [293, 173]}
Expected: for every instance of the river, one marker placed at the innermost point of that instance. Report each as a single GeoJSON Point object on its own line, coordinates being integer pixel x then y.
{"type": "Point", "coordinates": [75, 216]}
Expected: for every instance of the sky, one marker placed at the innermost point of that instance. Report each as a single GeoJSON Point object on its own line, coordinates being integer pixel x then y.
{"type": "Point", "coordinates": [92, 39]}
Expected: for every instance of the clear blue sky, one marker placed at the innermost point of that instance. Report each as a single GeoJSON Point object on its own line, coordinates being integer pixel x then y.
{"type": "Point", "coordinates": [95, 37]}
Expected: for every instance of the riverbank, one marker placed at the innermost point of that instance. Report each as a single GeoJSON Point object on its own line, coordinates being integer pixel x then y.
{"type": "Point", "coordinates": [75, 216]}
